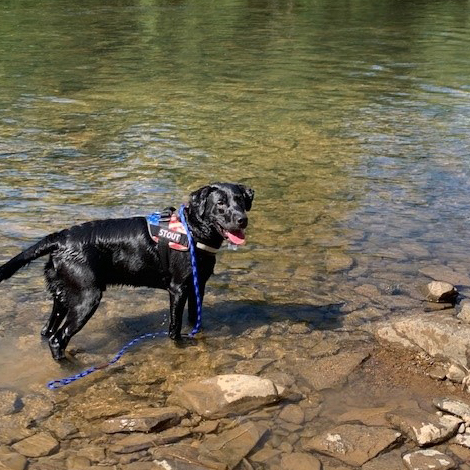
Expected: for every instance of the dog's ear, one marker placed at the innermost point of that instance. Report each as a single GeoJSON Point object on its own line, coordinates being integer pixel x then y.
{"type": "Point", "coordinates": [248, 195]}
{"type": "Point", "coordinates": [198, 199]}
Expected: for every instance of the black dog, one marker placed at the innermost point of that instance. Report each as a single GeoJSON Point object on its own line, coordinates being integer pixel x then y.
{"type": "Point", "coordinates": [85, 258]}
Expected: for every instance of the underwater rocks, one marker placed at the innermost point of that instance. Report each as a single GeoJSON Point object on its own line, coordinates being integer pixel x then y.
{"type": "Point", "coordinates": [354, 444]}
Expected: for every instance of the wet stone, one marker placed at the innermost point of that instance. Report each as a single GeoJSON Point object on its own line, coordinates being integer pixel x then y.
{"type": "Point", "coordinates": [138, 442]}
{"type": "Point", "coordinates": [292, 414]}
{"type": "Point", "coordinates": [389, 461]}
{"type": "Point", "coordinates": [253, 366]}
{"type": "Point", "coordinates": [300, 461]}
{"type": "Point", "coordinates": [37, 408]}
{"type": "Point", "coordinates": [183, 457]}
{"type": "Point", "coordinates": [424, 428]}
{"type": "Point", "coordinates": [207, 427]}
{"type": "Point", "coordinates": [233, 445]}
{"type": "Point", "coordinates": [265, 456]}
{"type": "Point", "coordinates": [92, 453]}
{"type": "Point", "coordinates": [10, 402]}
{"type": "Point", "coordinates": [77, 463]}
{"type": "Point", "coordinates": [144, 420]}
{"type": "Point", "coordinates": [225, 394]}
{"type": "Point", "coordinates": [353, 444]}
{"type": "Point", "coordinates": [428, 459]}
{"type": "Point", "coordinates": [38, 445]}
{"type": "Point", "coordinates": [61, 428]}
{"type": "Point", "coordinates": [13, 461]}
{"type": "Point", "coordinates": [12, 431]}
{"type": "Point", "coordinates": [336, 262]}
{"type": "Point", "coordinates": [331, 371]}
{"type": "Point", "coordinates": [455, 407]}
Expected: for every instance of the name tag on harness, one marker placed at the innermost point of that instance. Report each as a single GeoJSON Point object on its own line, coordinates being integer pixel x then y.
{"type": "Point", "coordinates": [172, 232]}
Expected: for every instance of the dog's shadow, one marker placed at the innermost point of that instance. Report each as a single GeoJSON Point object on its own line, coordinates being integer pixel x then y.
{"type": "Point", "coordinates": [233, 318]}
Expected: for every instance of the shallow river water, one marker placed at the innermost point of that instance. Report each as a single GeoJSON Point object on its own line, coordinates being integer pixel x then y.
{"type": "Point", "coordinates": [350, 119]}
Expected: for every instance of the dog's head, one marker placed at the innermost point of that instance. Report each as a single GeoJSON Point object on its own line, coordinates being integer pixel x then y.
{"type": "Point", "coordinates": [221, 208]}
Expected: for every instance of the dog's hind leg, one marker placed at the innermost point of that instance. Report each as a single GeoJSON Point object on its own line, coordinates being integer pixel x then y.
{"type": "Point", "coordinates": [83, 305]}
{"type": "Point", "coordinates": [57, 316]}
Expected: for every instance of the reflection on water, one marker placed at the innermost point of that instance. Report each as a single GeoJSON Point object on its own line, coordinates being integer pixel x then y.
{"type": "Point", "coordinates": [350, 120]}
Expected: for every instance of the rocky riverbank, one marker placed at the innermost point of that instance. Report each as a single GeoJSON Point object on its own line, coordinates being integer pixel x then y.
{"type": "Point", "coordinates": [281, 396]}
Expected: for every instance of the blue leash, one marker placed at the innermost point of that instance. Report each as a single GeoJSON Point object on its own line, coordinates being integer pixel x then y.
{"type": "Point", "coordinates": [55, 384]}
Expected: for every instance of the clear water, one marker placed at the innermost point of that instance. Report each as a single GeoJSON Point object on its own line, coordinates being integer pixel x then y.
{"type": "Point", "coordinates": [350, 119]}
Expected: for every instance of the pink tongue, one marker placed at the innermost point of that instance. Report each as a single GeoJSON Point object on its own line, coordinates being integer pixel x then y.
{"type": "Point", "coordinates": [237, 238]}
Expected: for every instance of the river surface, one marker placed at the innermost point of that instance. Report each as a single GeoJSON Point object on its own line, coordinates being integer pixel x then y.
{"type": "Point", "coordinates": [350, 119]}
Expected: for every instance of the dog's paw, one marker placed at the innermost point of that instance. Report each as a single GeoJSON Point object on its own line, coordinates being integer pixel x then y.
{"type": "Point", "coordinates": [184, 341]}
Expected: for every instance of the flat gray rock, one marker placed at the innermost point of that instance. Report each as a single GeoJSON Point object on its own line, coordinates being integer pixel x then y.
{"type": "Point", "coordinates": [224, 395]}
{"type": "Point", "coordinates": [145, 420]}
{"type": "Point", "coordinates": [354, 444]}
{"type": "Point", "coordinates": [424, 428]}
{"type": "Point", "coordinates": [428, 459]}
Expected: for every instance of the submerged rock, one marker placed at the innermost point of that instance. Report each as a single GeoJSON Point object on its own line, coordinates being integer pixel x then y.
{"type": "Point", "coordinates": [9, 402]}
{"type": "Point", "coordinates": [300, 461]}
{"type": "Point", "coordinates": [233, 445]}
{"type": "Point", "coordinates": [13, 461]}
{"type": "Point", "coordinates": [439, 291]}
{"type": "Point", "coordinates": [292, 414]}
{"type": "Point", "coordinates": [332, 371]}
{"type": "Point", "coordinates": [183, 457]}
{"type": "Point", "coordinates": [146, 420]}
{"type": "Point", "coordinates": [354, 444]}
{"type": "Point", "coordinates": [143, 441]}
{"type": "Point", "coordinates": [224, 395]}
{"type": "Point", "coordinates": [38, 445]}
{"type": "Point", "coordinates": [424, 428]}
{"type": "Point", "coordinates": [428, 459]}
{"type": "Point", "coordinates": [389, 461]}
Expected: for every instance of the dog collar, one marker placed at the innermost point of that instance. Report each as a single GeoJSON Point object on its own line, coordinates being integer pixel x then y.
{"type": "Point", "coordinates": [167, 227]}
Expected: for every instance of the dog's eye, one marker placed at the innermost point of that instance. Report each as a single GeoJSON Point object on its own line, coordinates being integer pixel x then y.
{"type": "Point", "coordinates": [221, 202]}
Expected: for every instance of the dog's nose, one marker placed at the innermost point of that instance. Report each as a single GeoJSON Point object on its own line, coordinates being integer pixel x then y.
{"type": "Point", "coordinates": [242, 221]}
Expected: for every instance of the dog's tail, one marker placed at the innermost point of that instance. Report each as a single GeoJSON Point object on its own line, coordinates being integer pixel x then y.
{"type": "Point", "coordinates": [41, 248]}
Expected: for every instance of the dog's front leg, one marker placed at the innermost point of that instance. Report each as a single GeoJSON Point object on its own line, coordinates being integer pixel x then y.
{"type": "Point", "coordinates": [178, 296]}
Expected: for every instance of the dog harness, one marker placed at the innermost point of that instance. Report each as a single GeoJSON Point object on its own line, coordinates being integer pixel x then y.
{"type": "Point", "coordinates": [166, 226]}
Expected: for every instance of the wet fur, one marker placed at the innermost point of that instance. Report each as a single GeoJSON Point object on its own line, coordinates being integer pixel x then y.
{"type": "Point", "coordinates": [86, 258]}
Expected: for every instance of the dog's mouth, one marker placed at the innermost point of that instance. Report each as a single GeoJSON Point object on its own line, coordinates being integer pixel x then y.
{"type": "Point", "coordinates": [237, 237]}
